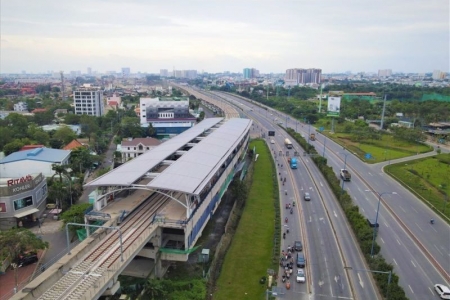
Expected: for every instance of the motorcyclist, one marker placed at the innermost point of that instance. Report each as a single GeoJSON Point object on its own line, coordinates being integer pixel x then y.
{"type": "Point", "coordinates": [286, 220]}
{"type": "Point", "coordinates": [292, 211]}
{"type": "Point", "coordinates": [284, 235]}
{"type": "Point", "coordinates": [432, 221]}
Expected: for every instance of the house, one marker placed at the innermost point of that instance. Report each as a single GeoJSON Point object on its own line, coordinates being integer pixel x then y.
{"type": "Point", "coordinates": [74, 144]}
{"type": "Point", "coordinates": [132, 148]}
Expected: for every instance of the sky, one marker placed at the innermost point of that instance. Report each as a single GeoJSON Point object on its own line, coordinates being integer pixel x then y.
{"type": "Point", "coordinates": [216, 36]}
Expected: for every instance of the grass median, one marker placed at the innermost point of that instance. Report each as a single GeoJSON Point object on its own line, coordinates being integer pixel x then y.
{"type": "Point", "coordinates": [250, 253]}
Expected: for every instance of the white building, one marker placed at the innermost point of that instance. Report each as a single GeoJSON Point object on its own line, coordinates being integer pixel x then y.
{"type": "Point", "coordinates": [39, 160]}
{"type": "Point", "coordinates": [88, 101]}
{"type": "Point", "coordinates": [167, 115]}
{"type": "Point", "coordinates": [385, 73]}
{"type": "Point", "coordinates": [132, 148]}
{"type": "Point", "coordinates": [438, 75]}
{"type": "Point", "coordinates": [21, 106]}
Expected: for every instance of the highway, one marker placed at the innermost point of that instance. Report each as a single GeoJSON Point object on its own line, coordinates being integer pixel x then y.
{"type": "Point", "coordinates": [329, 245]}
{"type": "Point", "coordinates": [419, 251]}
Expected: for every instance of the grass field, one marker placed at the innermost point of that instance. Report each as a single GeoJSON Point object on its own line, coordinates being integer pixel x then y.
{"type": "Point", "coordinates": [388, 148]}
{"type": "Point", "coordinates": [250, 253]}
{"type": "Point", "coordinates": [427, 177]}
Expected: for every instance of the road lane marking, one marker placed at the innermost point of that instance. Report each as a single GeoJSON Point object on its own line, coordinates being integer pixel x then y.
{"type": "Point", "coordinates": [362, 209]}
{"type": "Point", "coordinates": [437, 249]}
{"type": "Point", "coordinates": [367, 198]}
{"type": "Point", "coordinates": [419, 227]}
{"type": "Point", "coordinates": [398, 241]}
{"type": "Point", "coordinates": [320, 182]}
{"type": "Point", "coordinates": [335, 214]}
{"type": "Point", "coordinates": [385, 224]}
{"type": "Point", "coordinates": [411, 289]}
{"type": "Point", "coordinates": [431, 291]}
{"type": "Point", "coordinates": [395, 261]}
{"type": "Point", "coordinates": [414, 209]}
{"type": "Point", "coordinates": [413, 264]}
{"type": "Point", "coordinates": [360, 281]}
{"type": "Point", "coordinates": [402, 208]}
{"type": "Point", "coordinates": [433, 228]}
{"type": "Point", "coordinates": [382, 240]}
{"type": "Point", "coordinates": [369, 173]}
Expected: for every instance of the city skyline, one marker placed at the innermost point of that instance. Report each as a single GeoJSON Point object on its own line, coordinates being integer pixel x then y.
{"type": "Point", "coordinates": [403, 36]}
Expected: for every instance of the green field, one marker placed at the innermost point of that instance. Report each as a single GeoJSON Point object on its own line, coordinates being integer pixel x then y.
{"type": "Point", "coordinates": [385, 149]}
{"type": "Point", "coordinates": [250, 253]}
{"type": "Point", "coordinates": [428, 178]}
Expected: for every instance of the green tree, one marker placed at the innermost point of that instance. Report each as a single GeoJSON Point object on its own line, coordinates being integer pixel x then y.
{"type": "Point", "coordinates": [6, 136]}
{"type": "Point", "coordinates": [16, 241]}
{"type": "Point", "coordinates": [65, 135]}
{"type": "Point", "coordinates": [88, 125]}
{"type": "Point", "coordinates": [130, 127]}
{"type": "Point", "coordinates": [18, 123]}
{"type": "Point", "coordinates": [13, 146]}
{"type": "Point", "coordinates": [74, 214]}
{"type": "Point", "coordinates": [72, 119]}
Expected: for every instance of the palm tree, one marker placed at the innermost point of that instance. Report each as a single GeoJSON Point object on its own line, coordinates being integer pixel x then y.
{"type": "Point", "coordinates": [59, 170]}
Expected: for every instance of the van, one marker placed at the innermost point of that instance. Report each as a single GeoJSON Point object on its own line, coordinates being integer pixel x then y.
{"type": "Point", "coordinates": [301, 261]}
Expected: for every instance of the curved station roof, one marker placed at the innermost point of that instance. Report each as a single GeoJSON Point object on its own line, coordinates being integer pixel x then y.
{"type": "Point", "coordinates": [209, 144]}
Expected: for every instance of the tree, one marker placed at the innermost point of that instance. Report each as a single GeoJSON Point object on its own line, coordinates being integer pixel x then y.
{"type": "Point", "coordinates": [16, 241]}
{"type": "Point", "coordinates": [13, 146]}
{"type": "Point", "coordinates": [65, 135]}
{"type": "Point", "coordinates": [60, 170]}
{"type": "Point", "coordinates": [75, 214]}
{"type": "Point", "coordinates": [88, 125]}
{"type": "Point", "coordinates": [72, 119]}
{"type": "Point", "coordinates": [130, 127]}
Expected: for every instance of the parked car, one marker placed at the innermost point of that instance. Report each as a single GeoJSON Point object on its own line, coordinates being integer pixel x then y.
{"type": "Point", "coordinates": [442, 290]}
{"type": "Point", "coordinates": [27, 259]}
{"type": "Point", "coordinates": [301, 275]}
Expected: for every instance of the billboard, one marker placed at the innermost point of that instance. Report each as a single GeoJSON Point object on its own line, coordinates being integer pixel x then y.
{"type": "Point", "coordinates": [334, 106]}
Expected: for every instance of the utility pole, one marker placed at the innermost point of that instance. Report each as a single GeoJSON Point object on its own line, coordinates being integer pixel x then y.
{"type": "Point", "coordinates": [382, 114]}
{"type": "Point", "coordinates": [62, 85]}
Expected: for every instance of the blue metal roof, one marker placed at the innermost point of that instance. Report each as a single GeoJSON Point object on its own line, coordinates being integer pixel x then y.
{"type": "Point", "coordinates": [38, 154]}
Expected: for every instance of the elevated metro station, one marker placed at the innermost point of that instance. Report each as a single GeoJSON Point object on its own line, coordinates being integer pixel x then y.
{"type": "Point", "coordinates": [160, 203]}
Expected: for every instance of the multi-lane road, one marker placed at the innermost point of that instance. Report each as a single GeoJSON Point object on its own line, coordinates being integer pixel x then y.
{"type": "Point", "coordinates": [329, 245]}
{"type": "Point", "coordinates": [418, 250]}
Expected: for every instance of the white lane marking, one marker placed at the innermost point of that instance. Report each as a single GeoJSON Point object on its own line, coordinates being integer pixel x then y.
{"type": "Point", "coordinates": [382, 240]}
{"type": "Point", "coordinates": [320, 182]}
{"type": "Point", "coordinates": [398, 241]}
{"type": "Point", "coordinates": [402, 208]}
{"type": "Point", "coordinates": [321, 219]}
{"type": "Point", "coordinates": [367, 198]}
{"type": "Point", "coordinates": [413, 264]}
{"type": "Point", "coordinates": [437, 249]}
{"type": "Point", "coordinates": [395, 261]}
{"type": "Point", "coordinates": [431, 291]}
{"type": "Point", "coordinates": [419, 227]}
{"type": "Point", "coordinates": [360, 281]}
{"type": "Point", "coordinates": [385, 224]}
{"type": "Point", "coordinates": [335, 214]}
{"type": "Point", "coordinates": [434, 229]}
{"type": "Point", "coordinates": [411, 289]}
{"type": "Point", "coordinates": [362, 209]}
{"type": "Point", "coordinates": [369, 173]}
{"type": "Point", "coordinates": [310, 220]}
{"type": "Point", "coordinates": [414, 209]}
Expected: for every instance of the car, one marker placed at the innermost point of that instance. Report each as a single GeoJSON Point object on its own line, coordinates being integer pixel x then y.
{"type": "Point", "coordinates": [301, 261]}
{"type": "Point", "coordinates": [307, 197]}
{"type": "Point", "coordinates": [27, 259]}
{"type": "Point", "coordinates": [442, 290]}
{"type": "Point", "coordinates": [272, 141]}
{"type": "Point", "coordinates": [298, 246]}
{"type": "Point", "coordinates": [301, 275]}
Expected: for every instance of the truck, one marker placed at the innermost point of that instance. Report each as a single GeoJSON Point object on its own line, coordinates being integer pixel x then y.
{"type": "Point", "coordinates": [312, 136]}
{"type": "Point", "coordinates": [293, 162]}
{"type": "Point", "coordinates": [288, 143]}
{"type": "Point", "coordinates": [345, 175]}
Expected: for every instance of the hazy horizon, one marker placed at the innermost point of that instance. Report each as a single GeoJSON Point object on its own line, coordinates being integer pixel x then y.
{"type": "Point", "coordinates": [217, 36]}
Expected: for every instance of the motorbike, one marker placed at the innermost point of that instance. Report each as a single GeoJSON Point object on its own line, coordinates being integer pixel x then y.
{"type": "Point", "coordinates": [286, 220]}
{"type": "Point", "coordinates": [432, 221]}
{"type": "Point", "coordinates": [292, 211]}
{"type": "Point", "coordinates": [283, 278]}
{"type": "Point", "coordinates": [284, 235]}
{"type": "Point", "coordinates": [285, 192]}
{"type": "Point", "coordinates": [293, 203]}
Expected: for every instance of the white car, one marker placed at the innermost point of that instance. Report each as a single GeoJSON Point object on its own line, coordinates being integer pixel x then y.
{"type": "Point", "coordinates": [301, 277]}
{"type": "Point", "coordinates": [442, 290]}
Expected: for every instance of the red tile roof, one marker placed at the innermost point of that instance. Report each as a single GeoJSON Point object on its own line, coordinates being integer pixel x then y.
{"type": "Point", "coordinates": [29, 147]}
{"type": "Point", "coordinates": [73, 144]}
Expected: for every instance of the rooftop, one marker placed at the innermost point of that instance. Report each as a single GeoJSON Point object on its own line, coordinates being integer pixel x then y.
{"type": "Point", "coordinates": [39, 154]}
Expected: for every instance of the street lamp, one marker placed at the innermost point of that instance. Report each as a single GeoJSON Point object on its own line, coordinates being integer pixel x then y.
{"type": "Point", "coordinates": [376, 217]}
{"type": "Point", "coordinates": [373, 271]}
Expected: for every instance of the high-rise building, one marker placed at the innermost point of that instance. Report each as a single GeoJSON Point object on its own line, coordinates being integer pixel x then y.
{"type": "Point", "coordinates": [437, 75]}
{"type": "Point", "coordinates": [125, 72]}
{"type": "Point", "coordinates": [385, 73]}
{"type": "Point", "coordinates": [88, 101]}
{"type": "Point", "coordinates": [89, 71]}
{"type": "Point", "coordinates": [250, 73]}
{"type": "Point", "coordinates": [164, 73]}
{"type": "Point", "coordinates": [296, 76]}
